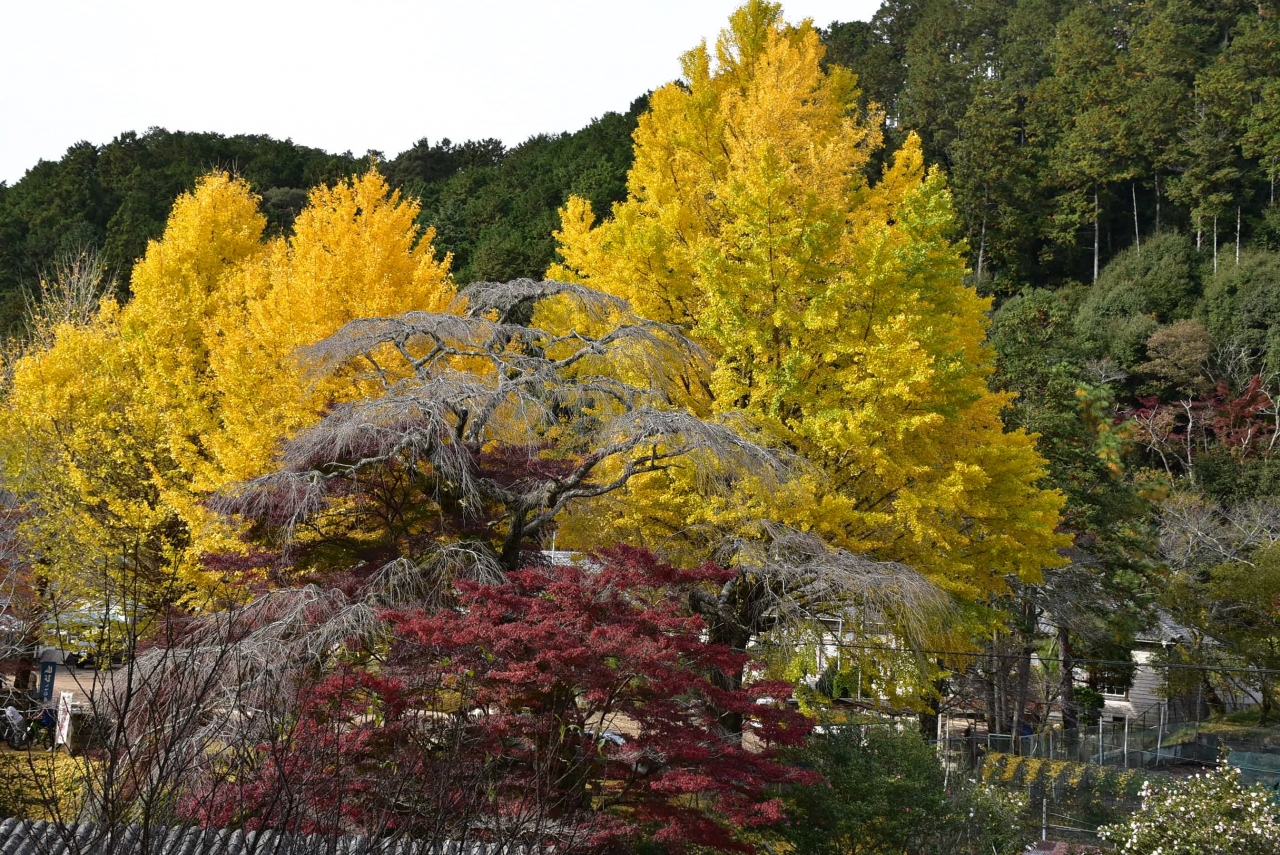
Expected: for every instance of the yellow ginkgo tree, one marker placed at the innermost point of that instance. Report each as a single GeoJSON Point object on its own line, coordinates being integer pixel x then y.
{"type": "Point", "coordinates": [834, 308]}
{"type": "Point", "coordinates": [117, 424]}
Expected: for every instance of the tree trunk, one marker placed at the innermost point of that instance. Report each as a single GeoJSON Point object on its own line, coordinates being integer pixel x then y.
{"type": "Point", "coordinates": [22, 676]}
{"type": "Point", "coordinates": [1137, 235]}
{"type": "Point", "coordinates": [1215, 243]}
{"type": "Point", "coordinates": [993, 717]}
{"type": "Point", "coordinates": [27, 667]}
{"type": "Point", "coordinates": [511, 544]}
{"type": "Point", "coordinates": [729, 722]}
{"type": "Point", "coordinates": [1067, 678]}
{"type": "Point", "coordinates": [982, 246]}
{"type": "Point", "coordinates": [1237, 235]}
{"type": "Point", "coordinates": [1157, 177]}
{"type": "Point", "coordinates": [1097, 246]}
{"type": "Point", "coordinates": [1021, 689]}
{"type": "Point", "coordinates": [728, 620]}
{"type": "Point", "coordinates": [930, 715]}
{"type": "Point", "coordinates": [1022, 679]}
{"type": "Point", "coordinates": [1211, 697]}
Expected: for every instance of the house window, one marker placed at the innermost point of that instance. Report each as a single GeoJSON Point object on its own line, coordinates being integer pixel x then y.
{"type": "Point", "coordinates": [1113, 689]}
{"type": "Point", "coordinates": [1111, 682]}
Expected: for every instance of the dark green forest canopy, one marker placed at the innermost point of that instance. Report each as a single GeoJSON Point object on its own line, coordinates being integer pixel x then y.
{"type": "Point", "coordinates": [1071, 129]}
{"type": "Point", "coordinates": [115, 197]}
{"type": "Point", "coordinates": [494, 208]}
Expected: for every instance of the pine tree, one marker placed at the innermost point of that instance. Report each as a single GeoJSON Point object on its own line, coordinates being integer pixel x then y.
{"type": "Point", "coordinates": [1257, 44]}
{"type": "Point", "coordinates": [1092, 150]}
{"type": "Point", "coordinates": [1211, 161]}
{"type": "Point", "coordinates": [1171, 40]}
{"type": "Point", "coordinates": [994, 168]}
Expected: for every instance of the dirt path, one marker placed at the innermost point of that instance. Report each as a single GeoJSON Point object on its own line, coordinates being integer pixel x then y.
{"type": "Point", "coordinates": [83, 683]}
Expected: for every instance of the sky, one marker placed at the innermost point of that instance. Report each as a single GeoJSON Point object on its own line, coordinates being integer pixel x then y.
{"type": "Point", "coordinates": [339, 74]}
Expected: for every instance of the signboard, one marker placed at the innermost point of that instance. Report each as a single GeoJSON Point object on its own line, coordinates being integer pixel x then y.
{"type": "Point", "coordinates": [63, 734]}
{"type": "Point", "coordinates": [47, 672]}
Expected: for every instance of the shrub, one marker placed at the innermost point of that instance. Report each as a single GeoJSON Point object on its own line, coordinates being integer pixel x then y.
{"type": "Point", "coordinates": [885, 792]}
{"type": "Point", "coordinates": [41, 786]}
{"type": "Point", "coordinates": [1203, 815]}
{"type": "Point", "coordinates": [1242, 304]}
{"type": "Point", "coordinates": [1135, 294]}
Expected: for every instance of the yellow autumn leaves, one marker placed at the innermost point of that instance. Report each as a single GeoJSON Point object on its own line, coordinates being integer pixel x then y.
{"type": "Point", "coordinates": [118, 426]}
{"type": "Point", "coordinates": [835, 310]}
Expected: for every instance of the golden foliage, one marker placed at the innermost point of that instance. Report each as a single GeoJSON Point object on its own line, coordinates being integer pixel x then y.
{"type": "Point", "coordinates": [834, 308]}
{"type": "Point", "coordinates": [356, 252]}
{"type": "Point", "coordinates": [39, 786]}
{"type": "Point", "coordinates": [114, 428]}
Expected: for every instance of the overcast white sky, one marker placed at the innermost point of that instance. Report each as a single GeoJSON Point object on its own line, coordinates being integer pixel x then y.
{"type": "Point", "coordinates": [339, 74]}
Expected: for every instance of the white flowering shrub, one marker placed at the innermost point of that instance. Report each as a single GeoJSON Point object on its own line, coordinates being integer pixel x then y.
{"type": "Point", "coordinates": [1203, 815]}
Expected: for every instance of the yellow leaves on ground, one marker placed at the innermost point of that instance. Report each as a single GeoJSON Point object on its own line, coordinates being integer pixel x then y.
{"type": "Point", "coordinates": [835, 310]}
{"type": "Point", "coordinates": [119, 426]}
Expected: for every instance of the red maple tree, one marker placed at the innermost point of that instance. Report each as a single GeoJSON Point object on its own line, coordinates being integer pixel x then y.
{"type": "Point", "coordinates": [566, 706]}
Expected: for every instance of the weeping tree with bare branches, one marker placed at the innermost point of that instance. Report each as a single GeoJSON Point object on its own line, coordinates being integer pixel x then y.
{"type": "Point", "coordinates": [483, 429]}
{"type": "Point", "coordinates": [363, 692]}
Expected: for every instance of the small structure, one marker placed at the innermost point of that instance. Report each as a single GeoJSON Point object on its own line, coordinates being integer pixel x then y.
{"type": "Point", "coordinates": [1146, 691]}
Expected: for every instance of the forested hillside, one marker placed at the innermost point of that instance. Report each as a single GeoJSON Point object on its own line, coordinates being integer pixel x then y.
{"type": "Point", "coordinates": [1073, 129]}
{"type": "Point", "coordinates": [1113, 165]}
{"type": "Point", "coordinates": [1069, 131]}
{"type": "Point", "coordinates": [1114, 168]}
{"type": "Point", "coordinates": [494, 208]}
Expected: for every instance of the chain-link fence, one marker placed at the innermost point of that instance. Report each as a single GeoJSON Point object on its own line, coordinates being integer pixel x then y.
{"type": "Point", "coordinates": [1157, 739]}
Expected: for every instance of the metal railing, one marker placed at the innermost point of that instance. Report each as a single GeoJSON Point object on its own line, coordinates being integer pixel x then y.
{"type": "Point", "coordinates": [1158, 737]}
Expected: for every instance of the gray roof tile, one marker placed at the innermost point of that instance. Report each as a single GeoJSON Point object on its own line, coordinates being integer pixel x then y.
{"type": "Point", "coordinates": [25, 837]}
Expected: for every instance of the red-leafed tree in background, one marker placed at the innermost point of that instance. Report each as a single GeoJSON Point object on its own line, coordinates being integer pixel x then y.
{"type": "Point", "coordinates": [568, 705]}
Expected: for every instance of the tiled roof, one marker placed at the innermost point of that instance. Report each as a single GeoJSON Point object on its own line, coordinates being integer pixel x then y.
{"type": "Point", "coordinates": [25, 837]}
{"type": "Point", "coordinates": [1166, 629]}
{"type": "Point", "coordinates": [1050, 847]}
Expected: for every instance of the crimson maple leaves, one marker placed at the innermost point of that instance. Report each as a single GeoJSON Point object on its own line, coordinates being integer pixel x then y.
{"type": "Point", "coordinates": [576, 704]}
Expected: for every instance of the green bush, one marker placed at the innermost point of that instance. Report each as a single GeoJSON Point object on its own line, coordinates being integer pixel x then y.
{"type": "Point", "coordinates": [1242, 306]}
{"type": "Point", "coordinates": [885, 792]}
{"type": "Point", "coordinates": [1090, 703]}
{"type": "Point", "coordinates": [1135, 294]}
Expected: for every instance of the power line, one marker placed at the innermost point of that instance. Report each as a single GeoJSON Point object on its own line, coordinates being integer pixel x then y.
{"type": "Point", "coordinates": [1074, 660]}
